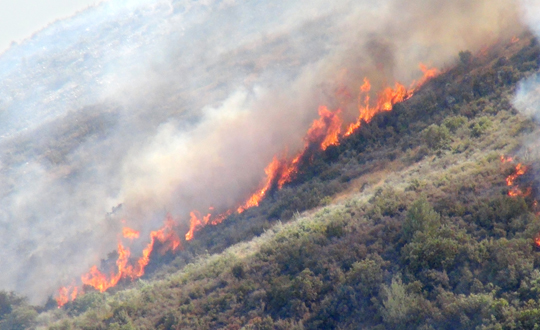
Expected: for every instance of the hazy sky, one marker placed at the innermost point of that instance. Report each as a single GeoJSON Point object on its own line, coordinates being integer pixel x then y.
{"type": "Point", "coordinates": [19, 19]}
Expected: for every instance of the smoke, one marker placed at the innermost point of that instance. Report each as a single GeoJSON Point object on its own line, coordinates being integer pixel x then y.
{"type": "Point", "coordinates": [527, 99]}
{"type": "Point", "coordinates": [132, 110]}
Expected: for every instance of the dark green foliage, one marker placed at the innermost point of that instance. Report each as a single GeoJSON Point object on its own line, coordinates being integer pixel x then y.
{"type": "Point", "coordinates": [20, 318]}
{"type": "Point", "coordinates": [437, 137]}
{"type": "Point", "coordinates": [238, 271]}
{"type": "Point", "coordinates": [421, 218]}
{"type": "Point", "coordinates": [454, 122]}
{"type": "Point", "coordinates": [481, 126]}
{"type": "Point", "coordinates": [15, 313]}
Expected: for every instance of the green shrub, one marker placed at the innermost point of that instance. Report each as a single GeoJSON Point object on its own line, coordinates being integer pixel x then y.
{"type": "Point", "coordinates": [481, 126]}
{"type": "Point", "coordinates": [454, 122]}
{"type": "Point", "coordinates": [421, 217]}
{"type": "Point", "coordinates": [437, 137]}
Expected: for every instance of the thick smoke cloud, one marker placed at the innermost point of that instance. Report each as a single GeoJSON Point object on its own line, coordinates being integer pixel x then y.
{"type": "Point", "coordinates": [168, 106]}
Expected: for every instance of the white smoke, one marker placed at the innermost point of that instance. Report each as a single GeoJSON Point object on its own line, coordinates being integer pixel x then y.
{"type": "Point", "coordinates": [527, 99]}
{"type": "Point", "coordinates": [168, 106]}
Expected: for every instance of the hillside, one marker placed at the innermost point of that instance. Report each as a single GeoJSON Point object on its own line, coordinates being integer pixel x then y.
{"type": "Point", "coordinates": [406, 224]}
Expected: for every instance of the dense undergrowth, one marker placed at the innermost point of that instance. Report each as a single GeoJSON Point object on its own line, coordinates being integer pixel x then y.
{"type": "Point", "coordinates": [405, 225]}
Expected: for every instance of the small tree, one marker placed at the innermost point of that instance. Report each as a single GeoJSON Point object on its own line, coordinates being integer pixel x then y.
{"type": "Point", "coordinates": [421, 217]}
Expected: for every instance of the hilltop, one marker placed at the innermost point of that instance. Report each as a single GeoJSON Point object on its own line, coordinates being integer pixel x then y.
{"type": "Point", "coordinates": [408, 223]}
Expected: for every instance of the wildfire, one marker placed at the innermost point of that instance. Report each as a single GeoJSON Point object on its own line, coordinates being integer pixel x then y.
{"type": "Point", "coordinates": [66, 294]}
{"type": "Point", "coordinates": [271, 171]}
{"type": "Point", "coordinates": [519, 170]}
{"type": "Point", "coordinates": [386, 99]}
{"type": "Point", "coordinates": [324, 132]}
{"type": "Point", "coordinates": [124, 269]}
{"type": "Point", "coordinates": [196, 222]}
{"type": "Point", "coordinates": [326, 129]}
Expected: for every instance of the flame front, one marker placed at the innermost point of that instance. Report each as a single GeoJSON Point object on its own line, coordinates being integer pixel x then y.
{"type": "Point", "coordinates": [324, 132]}
{"type": "Point", "coordinates": [101, 282]}
{"type": "Point", "coordinates": [124, 269]}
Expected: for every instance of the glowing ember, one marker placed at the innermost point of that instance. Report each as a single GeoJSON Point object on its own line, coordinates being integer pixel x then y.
{"type": "Point", "coordinates": [506, 159]}
{"type": "Point", "coordinates": [514, 40]}
{"type": "Point", "coordinates": [219, 219]}
{"type": "Point", "coordinates": [516, 191]}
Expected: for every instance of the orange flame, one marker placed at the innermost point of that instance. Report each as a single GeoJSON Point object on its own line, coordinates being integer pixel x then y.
{"type": "Point", "coordinates": [271, 171]}
{"type": "Point", "coordinates": [385, 99]}
{"type": "Point", "coordinates": [323, 133]}
{"type": "Point", "coordinates": [514, 40]}
{"type": "Point", "coordinates": [102, 282]}
{"type": "Point", "coordinates": [520, 170]}
{"type": "Point", "coordinates": [325, 129]}
{"type": "Point", "coordinates": [66, 294]}
{"type": "Point", "coordinates": [506, 159]}
{"type": "Point", "coordinates": [130, 233]}
{"type": "Point", "coordinates": [428, 74]}
{"type": "Point", "coordinates": [516, 191]}
{"type": "Point", "coordinates": [196, 222]}
{"type": "Point", "coordinates": [167, 237]}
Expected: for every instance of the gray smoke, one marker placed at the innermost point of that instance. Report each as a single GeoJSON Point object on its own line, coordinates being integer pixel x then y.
{"type": "Point", "coordinates": [169, 106]}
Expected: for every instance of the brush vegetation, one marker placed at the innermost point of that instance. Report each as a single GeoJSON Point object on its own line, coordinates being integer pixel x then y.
{"type": "Point", "coordinates": [407, 224]}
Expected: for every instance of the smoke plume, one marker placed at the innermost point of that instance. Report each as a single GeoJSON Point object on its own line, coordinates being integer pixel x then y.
{"type": "Point", "coordinates": [527, 99]}
{"type": "Point", "coordinates": [134, 109]}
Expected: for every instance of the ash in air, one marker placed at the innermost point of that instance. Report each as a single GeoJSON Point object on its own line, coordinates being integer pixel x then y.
{"type": "Point", "coordinates": [169, 106]}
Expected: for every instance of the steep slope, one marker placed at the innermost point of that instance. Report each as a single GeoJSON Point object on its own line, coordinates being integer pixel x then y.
{"type": "Point", "coordinates": [408, 224]}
